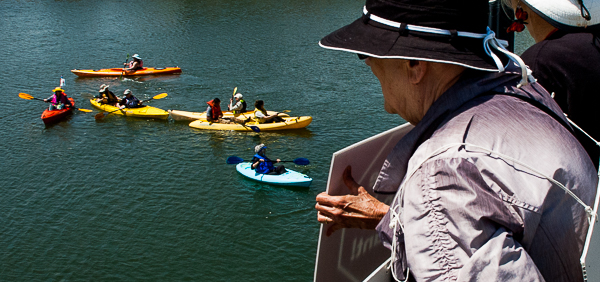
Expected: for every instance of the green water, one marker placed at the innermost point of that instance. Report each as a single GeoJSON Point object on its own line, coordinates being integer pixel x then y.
{"type": "Point", "coordinates": [133, 199]}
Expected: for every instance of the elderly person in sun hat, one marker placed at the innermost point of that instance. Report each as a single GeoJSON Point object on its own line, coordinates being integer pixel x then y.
{"type": "Point", "coordinates": [136, 63]}
{"type": "Point", "coordinates": [491, 184]}
{"type": "Point", "coordinates": [565, 58]}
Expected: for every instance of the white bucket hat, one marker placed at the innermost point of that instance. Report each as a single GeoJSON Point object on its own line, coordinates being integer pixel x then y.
{"type": "Point", "coordinates": [136, 56]}
{"type": "Point", "coordinates": [258, 148]}
{"type": "Point", "coordinates": [570, 15]}
{"type": "Point", "coordinates": [238, 96]}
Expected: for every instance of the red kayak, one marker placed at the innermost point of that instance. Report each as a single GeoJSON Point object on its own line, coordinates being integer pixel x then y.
{"type": "Point", "coordinates": [54, 116]}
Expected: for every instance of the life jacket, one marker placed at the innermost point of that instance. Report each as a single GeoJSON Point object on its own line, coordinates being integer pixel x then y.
{"type": "Point", "coordinates": [111, 98]}
{"type": "Point", "coordinates": [132, 102]}
{"type": "Point", "coordinates": [140, 64]}
{"type": "Point", "coordinates": [264, 167]}
{"type": "Point", "coordinates": [215, 110]}
{"type": "Point", "coordinates": [259, 119]}
{"type": "Point", "coordinates": [243, 110]}
{"type": "Point", "coordinates": [62, 100]}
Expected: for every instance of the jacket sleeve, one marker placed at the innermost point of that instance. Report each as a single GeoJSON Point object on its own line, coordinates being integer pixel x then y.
{"type": "Point", "coordinates": [456, 227]}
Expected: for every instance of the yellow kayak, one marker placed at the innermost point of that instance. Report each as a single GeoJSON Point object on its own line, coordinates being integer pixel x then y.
{"type": "Point", "coordinates": [143, 112]}
{"type": "Point", "coordinates": [289, 123]}
{"type": "Point", "coordinates": [177, 115]}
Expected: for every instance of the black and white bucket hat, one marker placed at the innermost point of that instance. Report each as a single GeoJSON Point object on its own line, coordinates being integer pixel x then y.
{"type": "Point", "coordinates": [445, 31]}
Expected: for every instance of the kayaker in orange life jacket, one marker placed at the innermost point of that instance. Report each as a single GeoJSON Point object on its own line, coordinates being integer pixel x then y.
{"type": "Point", "coordinates": [135, 64]}
{"type": "Point", "coordinates": [213, 111]}
{"type": "Point", "coordinates": [58, 100]}
{"type": "Point", "coordinates": [106, 96]}
{"type": "Point", "coordinates": [264, 165]}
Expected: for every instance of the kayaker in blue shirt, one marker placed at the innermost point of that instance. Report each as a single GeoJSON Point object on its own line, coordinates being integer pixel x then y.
{"type": "Point", "coordinates": [129, 101]}
{"type": "Point", "coordinates": [264, 165]}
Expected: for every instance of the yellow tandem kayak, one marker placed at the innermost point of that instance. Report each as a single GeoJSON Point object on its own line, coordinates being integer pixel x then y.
{"type": "Point", "coordinates": [177, 115]}
{"type": "Point", "coordinates": [289, 123]}
{"type": "Point", "coordinates": [142, 112]}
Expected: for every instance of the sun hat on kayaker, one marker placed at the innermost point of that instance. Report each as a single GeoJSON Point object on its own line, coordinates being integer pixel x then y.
{"type": "Point", "coordinates": [136, 56]}
{"type": "Point", "coordinates": [58, 89]}
{"type": "Point", "coordinates": [569, 15]}
{"type": "Point", "coordinates": [259, 148]}
{"type": "Point", "coordinates": [238, 96]}
{"type": "Point", "coordinates": [103, 87]}
{"type": "Point", "coordinates": [443, 31]}
{"type": "Point", "coordinates": [126, 92]}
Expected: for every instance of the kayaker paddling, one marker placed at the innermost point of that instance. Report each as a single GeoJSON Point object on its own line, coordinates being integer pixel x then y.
{"type": "Point", "coordinates": [136, 63]}
{"type": "Point", "coordinates": [264, 165]}
{"type": "Point", "coordinates": [58, 100]}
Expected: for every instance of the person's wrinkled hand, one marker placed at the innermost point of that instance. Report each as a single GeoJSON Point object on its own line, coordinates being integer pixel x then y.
{"type": "Point", "coordinates": [357, 210]}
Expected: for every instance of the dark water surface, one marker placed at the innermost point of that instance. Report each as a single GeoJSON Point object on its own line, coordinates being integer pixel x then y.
{"type": "Point", "coordinates": [126, 199]}
{"type": "Point", "coordinates": [133, 199]}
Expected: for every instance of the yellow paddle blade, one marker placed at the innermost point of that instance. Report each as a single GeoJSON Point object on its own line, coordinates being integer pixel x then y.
{"type": "Point", "coordinates": [286, 111]}
{"type": "Point", "coordinates": [234, 90]}
{"type": "Point", "coordinates": [160, 96]}
{"type": "Point", "coordinates": [84, 110]}
{"type": "Point", "coordinates": [25, 96]}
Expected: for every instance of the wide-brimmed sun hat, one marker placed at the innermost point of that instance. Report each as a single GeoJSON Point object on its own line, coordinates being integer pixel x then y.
{"type": "Point", "coordinates": [259, 147]}
{"type": "Point", "coordinates": [126, 92]}
{"type": "Point", "coordinates": [136, 56]}
{"type": "Point", "coordinates": [103, 87]}
{"type": "Point", "coordinates": [58, 89]}
{"type": "Point", "coordinates": [238, 96]}
{"type": "Point", "coordinates": [569, 15]}
{"type": "Point", "coordinates": [445, 31]}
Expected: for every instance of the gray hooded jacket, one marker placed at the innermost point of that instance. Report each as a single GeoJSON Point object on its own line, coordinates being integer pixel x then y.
{"type": "Point", "coordinates": [472, 199]}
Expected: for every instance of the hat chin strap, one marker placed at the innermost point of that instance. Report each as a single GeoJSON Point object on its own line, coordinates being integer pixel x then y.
{"type": "Point", "coordinates": [489, 42]}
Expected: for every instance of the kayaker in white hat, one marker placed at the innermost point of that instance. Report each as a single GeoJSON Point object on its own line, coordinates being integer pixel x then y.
{"type": "Point", "coordinates": [264, 165]}
{"type": "Point", "coordinates": [136, 63]}
{"type": "Point", "coordinates": [240, 104]}
{"type": "Point", "coordinates": [565, 58]}
{"type": "Point", "coordinates": [106, 96]}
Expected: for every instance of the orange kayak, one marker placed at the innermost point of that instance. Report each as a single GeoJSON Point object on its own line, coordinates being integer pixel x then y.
{"type": "Point", "coordinates": [54, 116]}
{"type": "Point", "coordinates": [119, 72]}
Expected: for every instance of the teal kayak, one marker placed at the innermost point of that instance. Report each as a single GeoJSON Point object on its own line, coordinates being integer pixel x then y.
{"type": "Point", "coordinates": [290, 178]}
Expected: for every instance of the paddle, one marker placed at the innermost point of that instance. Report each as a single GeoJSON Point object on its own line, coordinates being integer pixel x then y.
{"type": "Point", "coordinates": [126, 59]}
{"type": "Point", "coordinates": [104, 114]}
{"type": "Point", "coordinates": [29, 97]}
{"type": "Point", "coordinates": [298, 161]}
{"type": "Point", "coordinates": [232, 98]}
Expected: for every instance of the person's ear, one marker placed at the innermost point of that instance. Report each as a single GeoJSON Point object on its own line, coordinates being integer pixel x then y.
{"type": "Point", "coordinates": [416, 70]}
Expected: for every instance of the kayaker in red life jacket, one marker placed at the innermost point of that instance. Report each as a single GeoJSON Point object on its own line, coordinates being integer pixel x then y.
{"type": "Point", "coordinates": [129, 101]}
{"type": "Point", "coordinates": [135, 64]}
{"type": "Point", "coordinates": [213, 111]}
{"type": "Point", "coordinates": [106, 96]}
{"type": "Point", "coordinates": [58, 100]}
{"type": "Point", "coordinates": [264, 165]}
